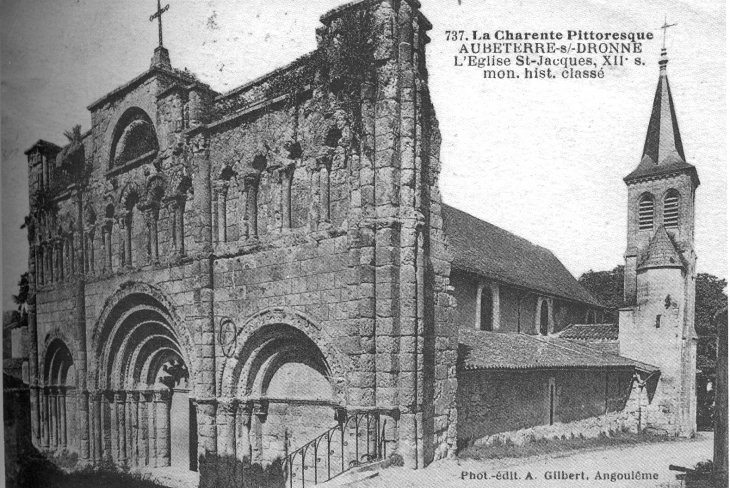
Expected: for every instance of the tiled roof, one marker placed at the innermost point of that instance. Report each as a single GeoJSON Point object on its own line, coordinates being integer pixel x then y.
{"type": "Point", "coordinates": [482, 350]}
{"type": "Point", "coordinates": [487, 250]}
{"type": "Point", "coordinates": [590, 332]}
{"type": "Point", "coordinates": [661, 252]}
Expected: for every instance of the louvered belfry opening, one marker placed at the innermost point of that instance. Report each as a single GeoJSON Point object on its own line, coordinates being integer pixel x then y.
{"type": "Point", "coordinates": [671, 210]}
{"type": "Point", "coordinates": [646, 213]}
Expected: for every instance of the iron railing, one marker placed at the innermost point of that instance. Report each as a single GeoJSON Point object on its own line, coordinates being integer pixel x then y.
{"type": "Point", "coordinates": [358, 438]}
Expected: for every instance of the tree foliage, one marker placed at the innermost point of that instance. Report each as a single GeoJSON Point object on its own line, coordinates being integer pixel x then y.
{"type": "Point", "coordinates": [607, 287]}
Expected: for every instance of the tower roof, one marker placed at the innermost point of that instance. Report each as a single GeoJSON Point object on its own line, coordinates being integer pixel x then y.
{"type": "Point", "coordinates": [661, 252]}
{"type": "Point", "coordinates": [663, 150]}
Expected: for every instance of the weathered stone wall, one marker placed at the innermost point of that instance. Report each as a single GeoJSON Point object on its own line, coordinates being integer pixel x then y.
{"type": "Point", "coordinates": [490, 403]}
{"type": "Point", "coordinates": [295, 217]}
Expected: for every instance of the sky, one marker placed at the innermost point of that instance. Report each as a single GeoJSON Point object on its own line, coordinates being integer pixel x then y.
{"type": "Point", "coordinates": [541, 158]}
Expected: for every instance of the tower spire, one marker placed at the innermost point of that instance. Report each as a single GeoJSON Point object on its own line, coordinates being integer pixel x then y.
{"type": "Point", "coordinates": [663, 150]}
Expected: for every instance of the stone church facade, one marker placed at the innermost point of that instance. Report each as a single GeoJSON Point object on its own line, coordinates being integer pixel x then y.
{"type": "Point", "coordinates": [228, 276]}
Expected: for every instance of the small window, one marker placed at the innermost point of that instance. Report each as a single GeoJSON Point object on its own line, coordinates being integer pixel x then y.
{"type": "Point", "coordinates": [646, 212]}
{"type": "Point", "coordinates": [544, 318]}
{"type": "Point", "coordinates": [671, 210]}
{"type": "Point", "coordinates": [485, 314]}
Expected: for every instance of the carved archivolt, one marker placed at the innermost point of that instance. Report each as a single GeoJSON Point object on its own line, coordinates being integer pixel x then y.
{"type": "Point", "coordinates": [252, 350]}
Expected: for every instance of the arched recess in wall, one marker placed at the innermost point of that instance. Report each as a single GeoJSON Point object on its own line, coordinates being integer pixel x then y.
{"type": "Point", "coordinates": [144, 365]}
{"type": "Point", "coordinates": [280, 325]}
{"type": "Point", "coordinates": [134, 139]}
{"type": "Point", "coordinates": [57, 401]}
{"type": "Point", "coordinates": [283, 370]}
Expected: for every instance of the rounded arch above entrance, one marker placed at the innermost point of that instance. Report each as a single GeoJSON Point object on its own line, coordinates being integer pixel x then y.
{"type": "Point", "coordinates": [273, 338]}
{"type": "Point", "coordinates": [136, 323]}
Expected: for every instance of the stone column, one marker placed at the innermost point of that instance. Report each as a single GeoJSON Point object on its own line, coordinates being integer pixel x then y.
{"type": "Point", "coordinates": [134, 430]}
{"type": "Point", "coordinates": [49, 262]}
{"type": "Point", "coordinates": [162, 434]}
{"type": "Point", "coordinates": [144, 424]}
{"type": "Point", "coordinates": [243, 424]}
{"type": "Point", "coordinates": [287, 173]}
{"type": "Point", "coordinates": [114, 427]}
{"type": "Point", "coordinates": [151, 215]}
{"type": "Point", "coordinates": [152, 413]}
{"type": "Point", "coordinates": [260, 410]}
{"type": "Point", "coordinates": [107, 238]}
{"type": "Point", "coordinates": [127, 223]}
{"type": "Point", "coordinates": [45, 420]}
{"type": "Point", "coordinates": [34, 269]}
{"type": "Point", "coordinates": [324, 165]}
{"type": "Point", "coordinates": [90, 258]}
{"type": "Point", "coordinates": [226, 427]}
{"type": "Point", "coordinates": [107, 425]}
{"type": "Point", "coordinates": [251, 183]}
{"type": "Point", "coordinates": [53, 413]}
{"type": "Point", "coordinates": [57, 261]}
{"type": "Point", "coordinates": [221, 223]}
{"type": "Point", "coordinates": [214, 215]}
{"type": "Point", "coordinates": [120, 402]}
{"type": "Point", "coordinates": [62, 416]}
{"type": "Point", "coordinates": [96, 398]}
{"type": "Point", "coordinates": [177, 208]}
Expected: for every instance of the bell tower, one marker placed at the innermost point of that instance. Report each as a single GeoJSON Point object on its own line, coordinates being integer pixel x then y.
{"type": "Point", "coordinates": [656, 325]}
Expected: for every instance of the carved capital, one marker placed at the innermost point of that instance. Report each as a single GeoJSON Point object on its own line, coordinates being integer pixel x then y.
{"type": "Point", "coordinates": [163, 396]}
{"type": "Point", "coordinates": [261, 409]}
{"type": "Point", "coordinates": [244, 412]}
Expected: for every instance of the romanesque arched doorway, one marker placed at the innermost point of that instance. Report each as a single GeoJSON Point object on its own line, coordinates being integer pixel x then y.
{"type": "Point", "coordinates": [143, 413]}
{"type": "Point", "coordinates": [58, 401]}
{"type": "Point", "coordinates": [287, 377]}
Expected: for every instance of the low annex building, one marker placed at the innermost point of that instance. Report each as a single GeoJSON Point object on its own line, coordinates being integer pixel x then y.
{"type": "Point", "coordinates": [234, 279]}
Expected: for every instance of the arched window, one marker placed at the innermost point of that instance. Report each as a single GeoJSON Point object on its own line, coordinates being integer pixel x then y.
{"type": "Point", "coordinates": [134, 138]}
{"type": "Point", "coordinates": [485, 312]}
{"type": "Point", "coordinates": [544, 315]}
{"type": "Point", "coordinates": [671, 209]}
{"type": "Point", "coordinates": [646, 212]}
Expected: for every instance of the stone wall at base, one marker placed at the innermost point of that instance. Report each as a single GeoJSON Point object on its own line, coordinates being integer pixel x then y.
{"type": "Point", "coordinates": [607, 424]}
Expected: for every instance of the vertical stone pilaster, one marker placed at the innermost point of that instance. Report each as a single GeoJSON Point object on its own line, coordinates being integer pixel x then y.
{"type": "Point", "coordinates": [53, 416]}
{"type": "Point", "coordinates": [220, 204]}
{"type": "Point", "coordinates": [62, 415]}
{"type": "Point", "coordinates": [107, 425]}
{"type": "Point", "coordinates": [144, 432]}
{"type": "Point", "coordinates": [96, 398]}
{"type": "Point", "coordinates": [134, 421]}
{"type": "Point", "coordinates": [45, 420]}
{"type": "Point", "coordinates": [120, 401]}
{"type": "Point", "coordinates": [226, 427]}
{"type": "Point", "coordinates": [251, 184]}
{"type": "Point", "coordinates": [287, 173]}
{"type": "Point", "coordinates": [162, 433]}
{"type": "Point", "coordinates": [243, 424]}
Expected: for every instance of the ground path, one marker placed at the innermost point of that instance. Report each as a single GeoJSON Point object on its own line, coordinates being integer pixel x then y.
{"type": "Point", "coordinates": [644, 458]}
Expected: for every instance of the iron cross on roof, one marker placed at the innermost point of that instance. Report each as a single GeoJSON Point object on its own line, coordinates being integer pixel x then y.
{"type": "Point", "coordinates": [664, 27]}
{"type": "Point", "coordinates": [158, 15]}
